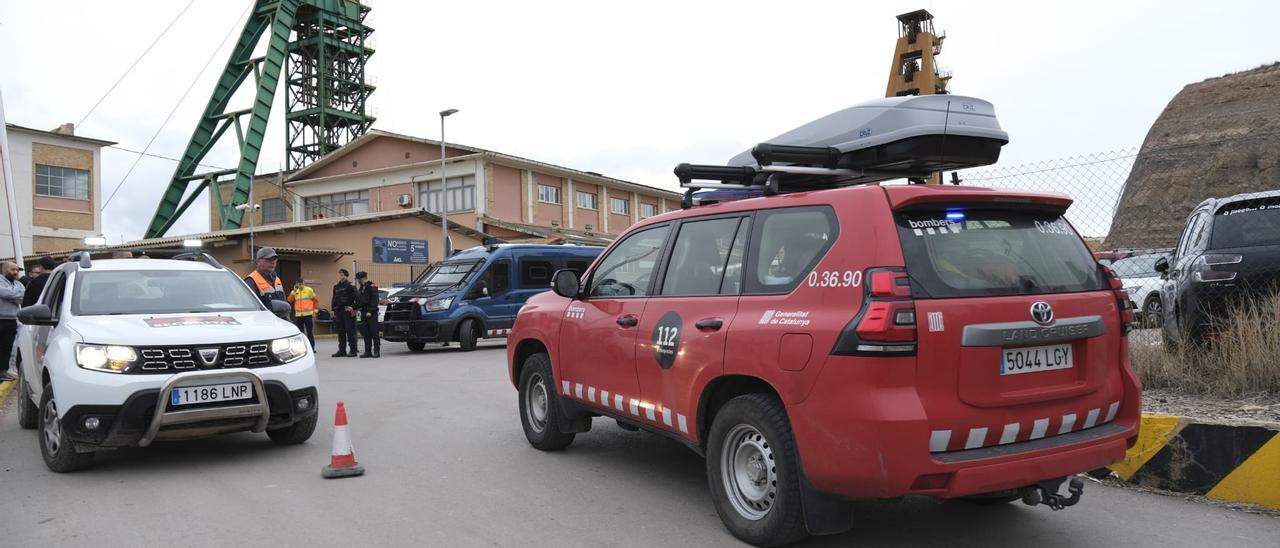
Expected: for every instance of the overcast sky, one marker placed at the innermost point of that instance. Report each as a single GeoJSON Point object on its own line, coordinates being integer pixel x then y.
{"type": "Point", "coordinates": [626, 89]}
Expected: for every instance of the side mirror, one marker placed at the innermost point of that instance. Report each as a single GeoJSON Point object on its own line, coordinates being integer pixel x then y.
{"type": "Point", "coordinates": [281, 308]}
{"type": "Point", "coordinates": [1162, 265]}
{"type": "Point", "coordinates": [565, 283]}
{"type": "Point", "coordinates": [37, 314]}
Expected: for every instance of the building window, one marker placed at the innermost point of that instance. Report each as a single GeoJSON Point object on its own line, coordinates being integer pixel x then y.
{"type": "Point", "coordinates": [648, 210]}
{"type": "Point", "coordinates": [460, 194]}
{"type": "Point", "coordinates": [549, 194]}
{"type": "Point", "coordinates": [586, 200]}
{"type": "Point", "coordinates": [341, 204]}
{"type": "Point", "coordinates": [620, 206]}
{"type": "Point", "coordinates": [62, 182]}
{"type": "Point", "coordinates": [273, 211]}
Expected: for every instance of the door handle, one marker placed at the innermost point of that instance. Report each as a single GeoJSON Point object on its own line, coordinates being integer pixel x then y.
{"type": "Point", "coordinates": [630, 320]}
{"type": "Point", "coordinates": [709, 324]}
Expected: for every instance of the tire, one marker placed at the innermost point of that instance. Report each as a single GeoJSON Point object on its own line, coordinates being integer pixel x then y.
{"type": "Point", "coordinates": [468, 335]}
{"type": "Point", "coordinates": [59, 454]}
{"type": "Point", "coordinates": [416, 346]}
{"type": "Point", "coordinates": [540, 406]}
{"type": "Point", "coordinates": [296, 433]}
{"type": "Point", "coordinates": [28, 412]}
{"type": "Point", "coordinates": [1152, 311]}
{"type": "Point", "coordinates": [753, 471]}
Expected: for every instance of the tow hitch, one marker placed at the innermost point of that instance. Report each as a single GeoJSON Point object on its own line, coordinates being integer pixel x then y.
{"type": "Point", "coordinates": [1046, 493]}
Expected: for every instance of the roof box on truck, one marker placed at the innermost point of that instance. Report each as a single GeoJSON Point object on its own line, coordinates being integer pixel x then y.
{"type": "Point", "coordinates": [892, 138]}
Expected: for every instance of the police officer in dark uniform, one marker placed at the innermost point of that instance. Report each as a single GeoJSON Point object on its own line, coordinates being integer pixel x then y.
{"type": "Point", "coordinates": [344, 315]}
{"type": "Point", "coordinates": [367, 301]}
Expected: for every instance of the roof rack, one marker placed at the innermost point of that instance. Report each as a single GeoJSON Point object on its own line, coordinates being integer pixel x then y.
{"type": "Point", "coordinates": [895, 138]}
{"type": "Point", "coordinates": [84, 257]}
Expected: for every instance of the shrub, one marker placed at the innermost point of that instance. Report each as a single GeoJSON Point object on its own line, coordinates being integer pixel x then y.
{"type": "Point", "coordinates": [1241, 357]}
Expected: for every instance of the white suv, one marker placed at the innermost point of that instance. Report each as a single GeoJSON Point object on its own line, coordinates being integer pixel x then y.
{"type": "Point", "coordinates": [124, 352]}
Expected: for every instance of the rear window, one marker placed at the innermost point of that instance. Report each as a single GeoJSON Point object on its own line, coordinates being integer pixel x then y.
{"type": "Point", "coordinates": [1247, 224]}
{"type": "Point", "coordinates": [993, 252]}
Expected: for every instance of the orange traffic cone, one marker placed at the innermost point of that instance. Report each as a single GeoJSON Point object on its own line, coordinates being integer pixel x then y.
{"type": "Point", "coordinates": [343, 463]}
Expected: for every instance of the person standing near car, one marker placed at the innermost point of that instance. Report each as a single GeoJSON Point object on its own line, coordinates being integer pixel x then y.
{"type": "Point", "coordinates": [264, 281]}
{"type": "Point", "coordinates": [367, 301]}
{"type": "Point", "coordinates": [344, 315]}
{"type": "Point", "coordinates": [11, 294]}
{"type": "Point", "coordinates": [304, 303]}
{"type": "Point", "coordinates": [33, 290]}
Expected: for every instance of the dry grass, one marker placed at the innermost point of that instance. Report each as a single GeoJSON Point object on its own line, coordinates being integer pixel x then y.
{"type": "Point", "coordinates": [1243, 360]}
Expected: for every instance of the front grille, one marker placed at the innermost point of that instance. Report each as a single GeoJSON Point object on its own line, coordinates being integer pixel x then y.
{"type": "Point", "coordinates": [402, 312]}
{"type": "Point", "coordinates": [175, 359]}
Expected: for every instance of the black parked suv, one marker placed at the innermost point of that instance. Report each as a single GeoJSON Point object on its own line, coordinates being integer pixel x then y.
{"type": "Point", "coordinates": [1228, 255]}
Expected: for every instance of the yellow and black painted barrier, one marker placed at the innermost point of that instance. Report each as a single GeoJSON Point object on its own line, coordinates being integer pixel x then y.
{"type": "Point", "coordinates": [1222, 462]}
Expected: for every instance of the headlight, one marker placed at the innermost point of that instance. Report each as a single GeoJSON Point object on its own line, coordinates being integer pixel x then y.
{"type": "Point", "coordinates": [111, 359]}
{"type": "Point", "coordinates": [289, 348]}
{"type": "Point", "coordinates": [439, 304]}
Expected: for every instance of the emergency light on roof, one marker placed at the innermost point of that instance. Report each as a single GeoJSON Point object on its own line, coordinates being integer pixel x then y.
{"type": "Point", "coordinates": [893, 138]}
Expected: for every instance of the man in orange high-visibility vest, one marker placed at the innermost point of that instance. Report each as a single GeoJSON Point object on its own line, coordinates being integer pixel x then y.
{"type": "Point", "coordinates": [263, 280]}
{"type": "Point", "coordinates": [304, 303]}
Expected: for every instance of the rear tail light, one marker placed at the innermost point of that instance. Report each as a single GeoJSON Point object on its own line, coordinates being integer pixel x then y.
{"type": "Point", "coordinates": [1122, 300]}
{"type": "Point", "coordinates": [887, 322]}
{"type": "Point", "coordinates": [1204, 270]}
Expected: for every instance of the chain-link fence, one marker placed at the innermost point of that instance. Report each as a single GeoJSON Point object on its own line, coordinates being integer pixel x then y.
{"type": "Point", "coordinates": [1207, 305]}
{"type": "Point", "coordinates": [1094, 181]}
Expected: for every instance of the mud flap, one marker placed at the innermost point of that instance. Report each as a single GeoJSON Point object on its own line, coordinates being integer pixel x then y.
{"type": "Point", "coordinates": [574, 418]}
{"type": "Point", "coordinates": [823, 514]}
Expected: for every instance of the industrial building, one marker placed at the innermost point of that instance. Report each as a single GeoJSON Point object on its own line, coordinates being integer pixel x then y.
{"type": "Point", "coordinates": [57, 177]}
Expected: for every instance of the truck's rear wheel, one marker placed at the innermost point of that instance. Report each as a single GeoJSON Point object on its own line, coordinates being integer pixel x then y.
{"type": "Point", "coordinates": [468, 334]}
{"type": "Point", "coordinates": [540, 406]}
{"type": "Point", "coordinates": [416, 346]}
{"type": "Point", "coordinates": [58, 452]}
{"type": "Point", "coordinates": [753, 471]}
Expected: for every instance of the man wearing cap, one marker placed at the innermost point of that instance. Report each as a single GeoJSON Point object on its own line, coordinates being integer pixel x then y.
{"type": "Point", "coordinates": [344, 315]}
{"type": "Point", "coordinates": [263, 280]}
{"type": "Point", "coordinates": [367, 301]}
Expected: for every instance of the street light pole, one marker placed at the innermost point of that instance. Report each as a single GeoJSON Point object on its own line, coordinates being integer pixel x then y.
{"type": "Point", "coordinates": [445, 245]}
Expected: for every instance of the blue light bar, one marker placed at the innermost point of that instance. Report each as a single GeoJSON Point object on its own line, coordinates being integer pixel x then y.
{"type": "Point", "coordinates": [955, 215]}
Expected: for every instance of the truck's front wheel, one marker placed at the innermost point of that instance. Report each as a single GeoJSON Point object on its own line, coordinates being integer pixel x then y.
{"type": "Point", "coordinates": [59, 453]}
{"type": "Point", "coordinates": [468, 334]}
{"type": "Point", "coordinates": [754, 473]}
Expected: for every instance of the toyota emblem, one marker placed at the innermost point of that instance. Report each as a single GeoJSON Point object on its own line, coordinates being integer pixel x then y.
{"type": "Point", "coordinates": [1042, 313]}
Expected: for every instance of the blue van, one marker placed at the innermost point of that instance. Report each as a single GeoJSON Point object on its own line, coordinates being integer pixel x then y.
{"type": "Point", "coordinates": [477, 293]}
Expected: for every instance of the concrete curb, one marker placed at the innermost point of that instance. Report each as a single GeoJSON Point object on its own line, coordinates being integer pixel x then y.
{"type": "Point", "coordinates": [1223, 462]}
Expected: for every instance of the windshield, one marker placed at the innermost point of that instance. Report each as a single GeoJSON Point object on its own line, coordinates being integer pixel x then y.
{"type": "Point", "coordinates": [994, 252]}
{"type": "Point", "coordinates": [1141, 266]}
{"type": "Point", "coordinates": [111, 292]}
{"type": "Point", "coordinates": [443, 276]}
{"type": "Point", "coordinates": [1247, 224]}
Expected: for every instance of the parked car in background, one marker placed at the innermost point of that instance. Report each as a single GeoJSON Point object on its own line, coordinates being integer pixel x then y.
{"type": "Point", "coordinates": [1228, 256]}
{"type": "Point", "coordinates": [476, 293]}
{"type": "Point", "coordinates": [1143, 284]}
{"type": "Point", "coordinates": [386, 297]}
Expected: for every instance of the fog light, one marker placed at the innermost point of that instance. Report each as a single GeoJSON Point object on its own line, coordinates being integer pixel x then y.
{"type": "Point", "coordinates": [91, 423]}
{"type": "Point", "coordinates": [304, 404]}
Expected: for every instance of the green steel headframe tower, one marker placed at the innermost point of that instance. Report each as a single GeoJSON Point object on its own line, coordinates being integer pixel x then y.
{"type": "Point", "coordinates": [325, 100]}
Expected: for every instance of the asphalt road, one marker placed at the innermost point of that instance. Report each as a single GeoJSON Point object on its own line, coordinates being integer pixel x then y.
{"type": "Point", "coordinates": [448, 466]}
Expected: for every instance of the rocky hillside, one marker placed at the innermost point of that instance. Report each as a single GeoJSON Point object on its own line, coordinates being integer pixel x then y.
{"type": "Point", "coordinates": [1215, 138]}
